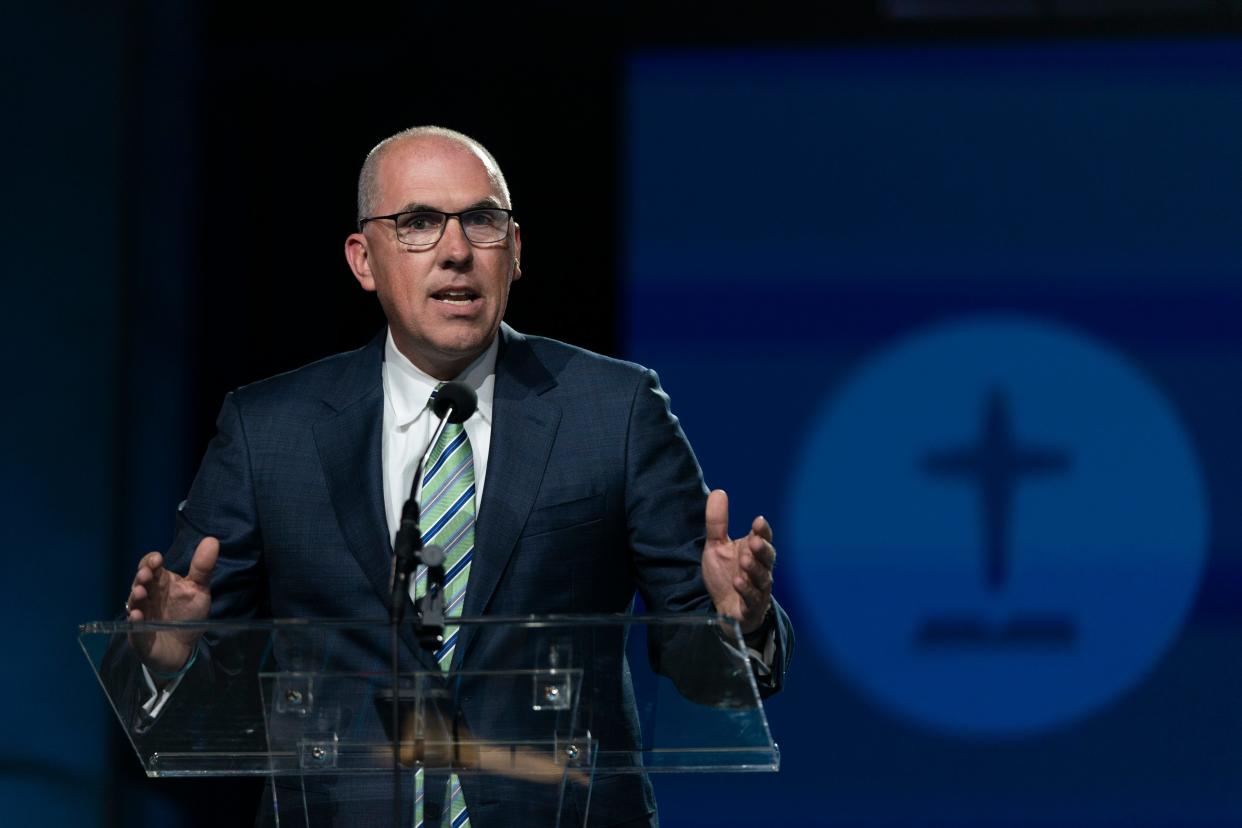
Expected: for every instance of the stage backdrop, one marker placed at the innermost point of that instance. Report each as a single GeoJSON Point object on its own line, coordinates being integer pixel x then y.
{"type": "Point", "coordinates": [963, 322]}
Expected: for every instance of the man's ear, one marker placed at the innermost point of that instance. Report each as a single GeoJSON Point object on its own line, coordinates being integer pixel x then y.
{"type": "Point", "coordinates": [517, 252]}
{"type": "Point", "coordinates": [358, 254]}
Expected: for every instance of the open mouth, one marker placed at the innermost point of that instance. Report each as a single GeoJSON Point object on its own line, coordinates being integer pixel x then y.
{"type": "Point", "coordinates": [455, 296]}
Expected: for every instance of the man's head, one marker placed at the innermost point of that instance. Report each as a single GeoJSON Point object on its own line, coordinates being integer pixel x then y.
{"type": "Point", "coordinates": [444, 301]}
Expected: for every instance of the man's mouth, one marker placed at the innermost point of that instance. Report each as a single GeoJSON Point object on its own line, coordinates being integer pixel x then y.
{"type": "Point", "coordinates": [455, 296]}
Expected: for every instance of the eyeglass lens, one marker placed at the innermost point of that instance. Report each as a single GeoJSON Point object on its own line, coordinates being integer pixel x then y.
{"type": "Point", "coordinates": [425, 227]}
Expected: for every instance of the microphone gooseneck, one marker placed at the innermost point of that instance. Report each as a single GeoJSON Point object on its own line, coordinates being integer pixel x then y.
{"type": "Point", "coordinates": [454, 402]}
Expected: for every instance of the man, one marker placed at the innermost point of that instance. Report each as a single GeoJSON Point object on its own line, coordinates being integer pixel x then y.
{"type": "Point", "coordinates": [582, 482]}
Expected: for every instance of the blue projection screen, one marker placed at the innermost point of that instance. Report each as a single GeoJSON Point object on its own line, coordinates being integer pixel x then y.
{"type": "Point", "coordinates": [965, 322]}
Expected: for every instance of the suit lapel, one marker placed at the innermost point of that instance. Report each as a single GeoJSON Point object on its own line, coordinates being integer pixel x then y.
{"type": "Point", "coordinates": [523, 429]}
{"type": "Point", "coordinates": [350, 451]}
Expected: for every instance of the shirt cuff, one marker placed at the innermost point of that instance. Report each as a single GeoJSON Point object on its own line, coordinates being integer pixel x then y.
{"type": "Point", "coordinates": [160, 696]}
{"type": "Point", "coordinates": [762, 658]}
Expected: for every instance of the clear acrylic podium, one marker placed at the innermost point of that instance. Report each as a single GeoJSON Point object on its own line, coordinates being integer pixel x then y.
{"type": "Point", "coordinates": [557, 725]}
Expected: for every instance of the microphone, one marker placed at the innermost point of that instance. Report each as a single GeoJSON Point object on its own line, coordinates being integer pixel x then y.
{"type": "Point", "coordinates": [453, 403]}
{"type": "Point", "coordinates": [456, 400]}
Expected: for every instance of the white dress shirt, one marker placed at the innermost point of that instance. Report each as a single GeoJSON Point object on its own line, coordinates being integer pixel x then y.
{"type": "Point", "coordinates": [409, 424]}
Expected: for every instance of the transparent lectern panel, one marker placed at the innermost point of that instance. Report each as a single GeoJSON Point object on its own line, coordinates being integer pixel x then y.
{"type": "Point", "coordinates": [551, 712]}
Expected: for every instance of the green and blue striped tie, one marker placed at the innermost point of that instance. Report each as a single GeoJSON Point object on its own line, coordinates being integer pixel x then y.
{"type": "Point", "coordinates": [448, 510]}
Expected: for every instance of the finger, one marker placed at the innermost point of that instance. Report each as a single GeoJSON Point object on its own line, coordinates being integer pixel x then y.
{"type": "Point", "coordinates": [204, 561]}
{"type": "Point", "coordinates": [717, 517]}
{"type": "Point", "coordinates": [760, 526]}
{"type": "Point", "coordinates": [758, 574]}
{"type": "Point", "coordinates": [762, 552]}
{"type": "Point", "coordinates": [152, 561]}
{"type": "Point", "coordinates": [752, 595]}
{"type": "Point", "coordinates": [137, 594]}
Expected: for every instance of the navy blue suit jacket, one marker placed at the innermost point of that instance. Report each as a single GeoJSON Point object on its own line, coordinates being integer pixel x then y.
{"type": "Point", "coordinates": [592, 493]}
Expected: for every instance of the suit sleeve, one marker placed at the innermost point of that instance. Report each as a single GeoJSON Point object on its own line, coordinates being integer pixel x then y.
{"type": "Point", "coordinates": [222, 504]}
{"type": "Point", "coordinates": [666, 500]}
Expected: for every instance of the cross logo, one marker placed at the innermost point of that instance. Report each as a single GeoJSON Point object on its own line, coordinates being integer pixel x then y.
{"type": "Point", "coordinates": [1000, 524]}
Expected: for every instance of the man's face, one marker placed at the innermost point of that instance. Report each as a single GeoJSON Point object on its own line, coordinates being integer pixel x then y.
{"type": "Point", "coordinates": [444, 303]}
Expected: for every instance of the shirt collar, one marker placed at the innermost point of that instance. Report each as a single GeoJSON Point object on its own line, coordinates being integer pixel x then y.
{"type": "Point", "coordinates": [407, 388]}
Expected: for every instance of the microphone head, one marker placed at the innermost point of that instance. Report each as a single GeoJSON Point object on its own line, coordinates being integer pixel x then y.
{"type": "Point", "coordinates": [433, 555]}
{"type": "Point", "coordinates": [457, 396]}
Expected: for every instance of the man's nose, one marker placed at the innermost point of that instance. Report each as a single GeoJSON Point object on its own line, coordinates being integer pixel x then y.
{"type": "Point", "coordinates": [454, 246]}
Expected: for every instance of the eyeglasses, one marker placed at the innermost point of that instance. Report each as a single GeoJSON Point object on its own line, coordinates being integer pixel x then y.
{"type": "Point", "coordinates": [423, 228]}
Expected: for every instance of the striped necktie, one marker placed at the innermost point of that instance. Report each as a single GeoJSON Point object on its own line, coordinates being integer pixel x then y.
{"type": "Point", "coordinates": [447, 520]}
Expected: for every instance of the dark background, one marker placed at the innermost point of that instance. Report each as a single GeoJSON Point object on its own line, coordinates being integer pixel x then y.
{"type": "Point", "coordinates": [181, 178]}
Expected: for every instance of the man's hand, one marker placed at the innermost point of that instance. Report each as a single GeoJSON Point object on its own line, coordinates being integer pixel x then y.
{"type": "Point", "coordinates": [158, 594]}
{"type": "Point", "coordinates": [738, 573]}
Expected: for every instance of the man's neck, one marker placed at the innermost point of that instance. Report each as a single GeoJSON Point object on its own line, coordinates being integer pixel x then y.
{"type": "Point", "coordinates": [446, 369]}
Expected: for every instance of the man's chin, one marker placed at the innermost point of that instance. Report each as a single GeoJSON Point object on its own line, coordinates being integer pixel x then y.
{"type": "Point", "coordinates": [447, 357]}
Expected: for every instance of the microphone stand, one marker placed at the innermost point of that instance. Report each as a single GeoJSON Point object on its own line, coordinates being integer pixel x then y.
{"type": "Point", "coordinates": [409, 552]}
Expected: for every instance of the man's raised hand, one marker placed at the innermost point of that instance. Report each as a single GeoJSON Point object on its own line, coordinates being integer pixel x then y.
{"type": "Point", "coordinates": [738, 573]}
{"type": "Point", "coordinates": [158, 594]}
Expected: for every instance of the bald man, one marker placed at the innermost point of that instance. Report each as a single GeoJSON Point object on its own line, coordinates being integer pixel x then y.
{"type": "Point", "coordinates": [582, 487]}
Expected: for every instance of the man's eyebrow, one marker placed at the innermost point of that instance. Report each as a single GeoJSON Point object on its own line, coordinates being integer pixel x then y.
{"type": "Point", "coordinates": [418, 207]}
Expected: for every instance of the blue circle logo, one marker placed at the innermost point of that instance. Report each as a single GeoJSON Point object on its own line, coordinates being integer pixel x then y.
{"type": "Point", "coordinates": [1001, 525]}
